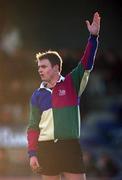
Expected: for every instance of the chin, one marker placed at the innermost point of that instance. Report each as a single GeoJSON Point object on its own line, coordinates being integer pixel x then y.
{"type": "Point", "coordinates": [44, 79]}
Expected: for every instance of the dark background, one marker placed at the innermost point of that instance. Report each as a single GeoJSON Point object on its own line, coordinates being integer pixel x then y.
{"type": "Point", "coordinates": [59, 24]}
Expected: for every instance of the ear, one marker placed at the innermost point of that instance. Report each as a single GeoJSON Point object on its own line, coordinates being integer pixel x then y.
{"type": "Point", "coordinates": [56, 68]}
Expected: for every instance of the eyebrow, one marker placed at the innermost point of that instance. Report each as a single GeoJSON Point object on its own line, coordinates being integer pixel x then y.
{"type": "Point", "coordinates": [43, 65]}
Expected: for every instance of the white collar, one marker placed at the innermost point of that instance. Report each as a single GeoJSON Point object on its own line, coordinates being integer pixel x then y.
{"type": "Point", "coordinates": [42, 85]}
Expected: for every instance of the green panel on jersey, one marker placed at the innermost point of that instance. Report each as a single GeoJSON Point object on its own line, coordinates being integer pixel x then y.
{"type": "Point", "coordinates": [66, 122]}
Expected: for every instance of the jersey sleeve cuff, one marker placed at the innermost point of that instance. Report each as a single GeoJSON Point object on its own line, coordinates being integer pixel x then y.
{"type": "Point", "coordinates": [32, 153]}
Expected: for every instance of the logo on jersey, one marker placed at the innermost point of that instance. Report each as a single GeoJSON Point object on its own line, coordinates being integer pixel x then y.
{"type": "Point", "coordinates": [62, 92]}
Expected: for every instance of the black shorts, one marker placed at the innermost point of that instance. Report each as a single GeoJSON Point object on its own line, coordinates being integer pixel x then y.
{"type": "Point", "coordinates": [61, 156]}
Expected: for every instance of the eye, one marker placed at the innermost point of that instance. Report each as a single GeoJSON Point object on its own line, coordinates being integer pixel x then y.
{"type": "Point", "coordinates": [43, 66]}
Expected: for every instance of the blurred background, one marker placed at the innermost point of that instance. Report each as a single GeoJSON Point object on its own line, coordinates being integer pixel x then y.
{"type": "Point", "coordinates": [27, 27]}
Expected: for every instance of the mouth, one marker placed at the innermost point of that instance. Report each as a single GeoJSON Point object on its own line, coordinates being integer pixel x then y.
{"type": "Point", "coordinates": [41, 76]}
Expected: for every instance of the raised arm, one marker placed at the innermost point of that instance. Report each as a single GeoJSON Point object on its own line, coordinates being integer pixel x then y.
{"type": "Point", "coordinates": [81, 73]}
{"type": "Point", "coordinates": [91, 48]}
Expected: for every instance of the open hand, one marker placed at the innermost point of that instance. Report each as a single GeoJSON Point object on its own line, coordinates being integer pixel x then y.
{"type": "Point", "coordinates": [94, 27]}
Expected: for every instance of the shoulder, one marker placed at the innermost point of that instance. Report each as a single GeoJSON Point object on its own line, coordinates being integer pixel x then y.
{"type": "Point", "coordinates": [34, 97]}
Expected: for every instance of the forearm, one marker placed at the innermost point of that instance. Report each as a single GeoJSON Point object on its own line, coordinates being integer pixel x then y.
{"type": "Point", "coordinates": [32, 138]}
{"type": "Point", "coordinates": [90, 53]}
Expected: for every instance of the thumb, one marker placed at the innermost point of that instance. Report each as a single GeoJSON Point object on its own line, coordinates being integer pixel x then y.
{"type": "Point", "coordinates": [88, 24]}
{"type": "Point", "coordinates": [37, 163]}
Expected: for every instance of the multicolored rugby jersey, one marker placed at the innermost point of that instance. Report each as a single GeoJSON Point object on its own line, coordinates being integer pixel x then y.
{"type": "Point", "coordinates": [54, 114]}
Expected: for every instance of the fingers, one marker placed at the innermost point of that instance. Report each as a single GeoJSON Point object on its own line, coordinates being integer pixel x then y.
{"type": "Point", "coordinates": [96, 18]}
{"type": "Point", "coordinates": [37, 170]}
{"type": "Point", "coordinates": [96, 15]}
{"type": "Point", "coordinates": [94, 27]}
{"type": "Point", "coordinates": [34, 164]}
{"type": "Point", "coordinates": [37, 163]}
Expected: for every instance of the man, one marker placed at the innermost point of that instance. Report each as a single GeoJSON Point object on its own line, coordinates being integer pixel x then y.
{"type": "Point", "coordinates": [54, 127]}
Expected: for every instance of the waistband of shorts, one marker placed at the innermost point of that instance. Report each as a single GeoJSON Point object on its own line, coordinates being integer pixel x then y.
{"type": "Point", "coordinates": [58, 141]}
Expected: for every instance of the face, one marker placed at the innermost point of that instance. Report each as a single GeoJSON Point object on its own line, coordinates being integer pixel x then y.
{"type": "Point", "coordinates": [46, 71]}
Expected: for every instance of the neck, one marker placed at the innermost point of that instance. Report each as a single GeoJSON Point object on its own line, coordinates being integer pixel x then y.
{"type": "Point", "coordinates": [53, 81]}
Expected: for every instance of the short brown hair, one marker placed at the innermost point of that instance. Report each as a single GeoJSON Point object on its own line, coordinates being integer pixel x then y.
{"type": "Point", "coordinates": [52, 56]}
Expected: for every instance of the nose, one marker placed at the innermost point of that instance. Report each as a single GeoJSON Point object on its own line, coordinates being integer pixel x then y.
{"type": "Point", "coordinates": [40, 70]}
